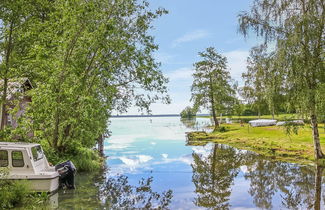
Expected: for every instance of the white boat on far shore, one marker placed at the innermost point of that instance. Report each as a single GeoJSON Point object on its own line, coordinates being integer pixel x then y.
{"type": "Point", "coordinates": [262, 122]}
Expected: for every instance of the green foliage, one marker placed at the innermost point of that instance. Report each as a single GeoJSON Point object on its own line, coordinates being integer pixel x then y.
{"type": "Point", "coordinates": [85, 159]}
{"type": "Point", "coordinates": [297, 28]}
{"type": "Point", "coordinates": [263, 82]}
{"type": "Point", "coordinates": [85, 59]}
{"type": "Point", "coordinates": [213, 176]}
{"type": "Point", "coordinates": [212, 87]}
{"type": "Point", "coordinates": [16, 193]}
{"type": "Point", "coordinates": [291, 127]}
{"type": "Point", "coordinates": [221, 129]}
{"type": "Point", "coordinates": [188, 112]}
{"type": "Point", "coordinates": [13, 193]}
{"type": "Point", "coordinates": [255, 78]}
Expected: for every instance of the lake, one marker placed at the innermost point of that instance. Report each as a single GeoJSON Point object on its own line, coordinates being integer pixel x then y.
{"type": "Point", "coordinates": [150, 165]}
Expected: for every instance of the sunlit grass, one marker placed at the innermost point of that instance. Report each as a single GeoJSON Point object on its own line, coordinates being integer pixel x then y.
{"type": "Point", "coordinates": [253, 117]}
{"type": "Point", "coordinates": [270, 141]}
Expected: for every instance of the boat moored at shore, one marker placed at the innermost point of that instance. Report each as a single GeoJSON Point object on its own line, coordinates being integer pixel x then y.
{"type": "Point", "coordinates": [26, 161]}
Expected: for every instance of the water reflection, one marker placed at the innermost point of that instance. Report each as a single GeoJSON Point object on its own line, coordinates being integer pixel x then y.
{"type": "Point", "coordinates": [213, 175]}
{"type": "Point", "coordinates": [294, 183]}
{"type": "Point", "coordinates": [195, 124]}
{"type": "Point", "coordinates": [318, 187]}
{"type": "Point", "coordinates": [97, 192]}
{"type": "Point", "coordinates": [190, 123]}
{"type": "Point", "coordinates": [117, 193]}
{"type": "Point", "coordinates": [286, 185]}
{"type": "Point", "coordinates": [201, 177]}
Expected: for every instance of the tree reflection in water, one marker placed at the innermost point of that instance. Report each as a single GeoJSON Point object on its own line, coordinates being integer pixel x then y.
{"type": "Point", "coordinates": [194, 124]}
{"type": "Point", "coordinates": [296, 184]}
{"type": "Point", "coordinates": [213, 175]}
{"type": "Point", "coordinates": [189, 123]}
{"type": "Point", "coordinates": [113, 193]}
{"type": "Point", "coordinates": [298, 187]}
{"type": "Point", "coordinates": [117, 193]}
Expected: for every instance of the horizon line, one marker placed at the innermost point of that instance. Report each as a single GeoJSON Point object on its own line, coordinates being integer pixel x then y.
{"type": "Point", "coordinates": [153, 115]}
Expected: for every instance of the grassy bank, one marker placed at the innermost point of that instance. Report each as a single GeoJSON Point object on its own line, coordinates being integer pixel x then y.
{"type": "Point", "coordinates": [253, 117]}
{"type": "Point", "coordinates": [270, 141]}
{"type": "Point", "coordinates": [16, 194]}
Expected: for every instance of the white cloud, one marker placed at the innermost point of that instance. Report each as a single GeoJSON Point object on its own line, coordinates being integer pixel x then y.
{"type": "Point", "coordinates": [191, 36]}
{"type": "Point", "coordinates": [135, 162]}
{"type": "Point", "coordinates": [184, 73]}
{"type": "Point", "coordinates": [165, 156]}
{"type": "Point", "coordinates": [237, 63]}
{"type": "Point", "coordinates": [187, 159]}
{"type": "Point", "coordinates": [144, 158]}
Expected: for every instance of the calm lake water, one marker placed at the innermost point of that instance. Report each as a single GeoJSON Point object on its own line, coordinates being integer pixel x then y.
{"type": "Point", "coordinates": [150, 165]}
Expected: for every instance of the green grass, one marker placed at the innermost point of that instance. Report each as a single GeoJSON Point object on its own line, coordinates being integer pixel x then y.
{"type": "Point", "coordinates": [277, 117]}
{"type": "Point", "coordinates": [270, 141]}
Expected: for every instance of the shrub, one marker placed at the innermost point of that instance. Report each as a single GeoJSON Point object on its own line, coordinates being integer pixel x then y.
{"type": "Point", "coordinates": [220, 129]}
{"type": "Point", "coordinates": [16, 193]}
{"type": "Point", "coordinates": [188, 112]}
{"type": "Point", "coordinates": [13, 193]}
{"type": "Point", "coordinates": [86, 159]}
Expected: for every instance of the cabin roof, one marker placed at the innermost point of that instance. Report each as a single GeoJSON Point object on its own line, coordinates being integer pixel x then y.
{"type": "Point", "coordinates": [17, 85]}
{"type": "Point", "coordinates": [13, 145]}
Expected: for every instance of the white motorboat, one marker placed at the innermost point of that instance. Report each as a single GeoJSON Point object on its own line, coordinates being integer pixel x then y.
{"type": "Point", "coordinates": [26, 161]}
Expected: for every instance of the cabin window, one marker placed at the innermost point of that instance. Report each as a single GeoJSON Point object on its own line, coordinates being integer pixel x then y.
{"type": "Point", "coordinates": [37, 153]}
{"type": "Point", "coordinates": [17, 159]}
{"type": "Point", "coordinates": [3, 158]}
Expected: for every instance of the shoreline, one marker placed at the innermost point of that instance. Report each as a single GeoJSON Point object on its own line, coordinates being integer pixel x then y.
{"type": "Point", "coordinates": [270, 141]}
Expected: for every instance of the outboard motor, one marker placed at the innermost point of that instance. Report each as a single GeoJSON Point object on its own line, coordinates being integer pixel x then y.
{"type": "Point", "coordinates": [67, 172]}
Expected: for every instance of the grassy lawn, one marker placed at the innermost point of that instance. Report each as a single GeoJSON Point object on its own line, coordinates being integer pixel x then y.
{"type": "Point", "coordinates": [277, 117]}
{"type": "Point", "coordinates": [270, 141]}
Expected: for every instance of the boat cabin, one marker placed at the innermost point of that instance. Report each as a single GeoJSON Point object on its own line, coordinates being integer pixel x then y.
{"type": "Point", "coordinates": [27, 161]}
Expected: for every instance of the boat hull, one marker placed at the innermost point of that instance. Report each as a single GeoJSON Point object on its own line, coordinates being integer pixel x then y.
{"type": "Point", "coordinates": [49, 185]}
{"type": "Point", "coordinates": [44, 185]}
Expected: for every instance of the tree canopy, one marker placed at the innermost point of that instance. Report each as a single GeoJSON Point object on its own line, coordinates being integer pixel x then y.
{"type": "Point", "coordinates": [85, 59]}
{"type": "Point", "coordinates": [188, 112]}
{"type": "Point", "coordinates": [297, 29]}
{"type": "Point", "coordinates": [212, 87]}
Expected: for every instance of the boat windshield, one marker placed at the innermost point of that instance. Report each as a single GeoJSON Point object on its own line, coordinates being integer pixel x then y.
{"type": "Point", "coordinates": [37, 153]}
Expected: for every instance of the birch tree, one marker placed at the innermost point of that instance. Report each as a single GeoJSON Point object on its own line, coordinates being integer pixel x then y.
{"type": "Point", "coordinates": [254, 89]}
{"type": "Point", "coordinates": [263, 80]}
{"type": "Point", "coordinates": [297, 27]}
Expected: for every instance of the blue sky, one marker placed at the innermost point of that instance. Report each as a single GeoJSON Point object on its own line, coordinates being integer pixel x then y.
{"type": "Point", "coordinates": [190, 27]}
